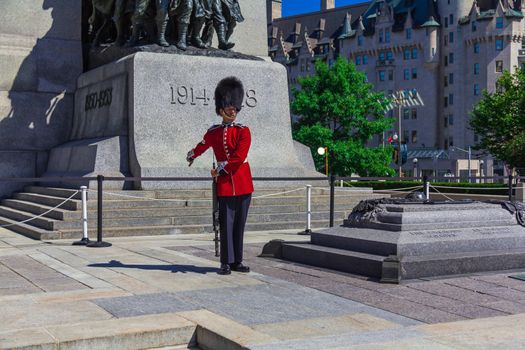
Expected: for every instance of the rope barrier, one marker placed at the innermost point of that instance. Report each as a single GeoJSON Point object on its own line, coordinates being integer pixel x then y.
{"type": "Point", "coordinates": [275, 194]}
{"type": "Point", "coordinates": [44, 213]}
{"type": "Point", "coordinates": [473, 188]}
{"type": "Point", "coordinates": [193, 200]}
{"type": "Point", "coordinates": [444, 195]}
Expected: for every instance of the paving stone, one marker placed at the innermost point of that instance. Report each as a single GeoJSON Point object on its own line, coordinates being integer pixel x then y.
{"type": "Point", "coordinates": [422, 297]}
{"type": "Point", "coordinates": [502, 280]}
{"type": "Point", "coordinates": [346, 340]}
{"type": "Point", "coordinates": [473, 311]}
{"type": "Point", "coordinates": [145, 304]}
{"type": "Point", "coordinates": [453, 292]}
{"type": "Point", "coordinates": [507, 306]}
{"type": "Point", "coordinates": [325, 326]}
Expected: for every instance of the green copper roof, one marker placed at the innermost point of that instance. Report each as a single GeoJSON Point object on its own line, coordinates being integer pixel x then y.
{"type": "Point", "coordinates": [421, 10]}
{"type": "Point", "coordinates": [513, 13]}
{"type": "Point", "coordinates": [431, 23]}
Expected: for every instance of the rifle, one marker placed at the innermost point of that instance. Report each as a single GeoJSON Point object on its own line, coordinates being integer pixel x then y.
{"type": "Point", "coordinates": [215, 213]}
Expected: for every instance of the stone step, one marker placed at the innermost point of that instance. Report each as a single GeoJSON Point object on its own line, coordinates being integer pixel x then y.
{"type": "Point", "coordinates": [53, 191]}
{"type": "Point", "coordinates": [333, 258]}
{"type": "Point", "coordinates": [461, 263]}
{"type": "Point", "coordinates": [28, 230]}
{"type": "Point", "coordinates": [442, 225]}
{"type": "Point", "coordinates": [359, 240]}
{"type": "Point", "coordinates": [18, 216]}
{"type": "Point", "coordinates": [182, 229]}
{"type": "Point", "coordinates": [72, 204]}
{"type": "Point", "coordinates": [133, 333]}
{"type": "Point", "coordinates": [38, 209]}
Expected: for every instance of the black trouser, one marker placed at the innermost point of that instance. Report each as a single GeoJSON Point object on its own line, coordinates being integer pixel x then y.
{"type": "Point", "coordinates": [233, 212]}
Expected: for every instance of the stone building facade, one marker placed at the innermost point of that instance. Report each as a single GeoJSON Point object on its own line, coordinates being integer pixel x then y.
{"type": "Point", "coordinates": [449, 51]}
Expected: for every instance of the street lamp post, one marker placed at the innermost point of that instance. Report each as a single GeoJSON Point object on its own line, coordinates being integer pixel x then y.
{"type": "Point", "coordinates": [324, 151]}
{"type": "Point", "coordinates": [414, 162]}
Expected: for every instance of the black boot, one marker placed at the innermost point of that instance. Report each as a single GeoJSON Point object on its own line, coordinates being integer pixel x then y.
{"type": "Point", "coordinates": [221, 36]}
{"type": "Point", "coordinates": [196, 32]}
{"type": "Point", "coordinates": [161, 32]}
{"type": "Point", "coordinates": [182, 36]}
{"type": "Point", "coordinates": [224, 270]}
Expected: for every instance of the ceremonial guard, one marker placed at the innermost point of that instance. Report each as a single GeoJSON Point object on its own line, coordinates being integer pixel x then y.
{"type": "Point", "coordinates": [230, 142]}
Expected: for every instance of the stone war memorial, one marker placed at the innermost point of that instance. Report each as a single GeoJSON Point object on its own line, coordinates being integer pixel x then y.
{"type": "Point", "coordinates": [123, 104]}
{"type": "Point", "coordinates": [401, 239]}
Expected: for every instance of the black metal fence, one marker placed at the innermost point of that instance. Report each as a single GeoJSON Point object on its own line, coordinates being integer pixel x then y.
{"type": "Point", "coordinates": [426, 184]}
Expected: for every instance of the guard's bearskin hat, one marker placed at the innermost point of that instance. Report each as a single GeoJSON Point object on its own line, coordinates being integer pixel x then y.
{"type": "Point", "coordinates": [229, 92]}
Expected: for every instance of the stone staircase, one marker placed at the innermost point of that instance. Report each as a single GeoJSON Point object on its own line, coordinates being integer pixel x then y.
{"type": "Point", "coordinates": [164, 212]}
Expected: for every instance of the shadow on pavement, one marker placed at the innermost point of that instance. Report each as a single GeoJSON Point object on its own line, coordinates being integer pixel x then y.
{"type": "Point", "coordinates": [172, 268]}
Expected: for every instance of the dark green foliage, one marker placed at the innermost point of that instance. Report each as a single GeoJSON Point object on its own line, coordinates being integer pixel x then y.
{"type": "Point", "coordinates": [341, 111]}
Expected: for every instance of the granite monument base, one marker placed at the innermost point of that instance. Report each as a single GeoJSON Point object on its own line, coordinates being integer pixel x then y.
{"type": "Point", "coordinates": [410, 241]}
{"type": "Point", "coordinates": [162, 105]}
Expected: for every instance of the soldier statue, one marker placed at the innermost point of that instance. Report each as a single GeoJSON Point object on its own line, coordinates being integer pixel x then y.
{"type": "Point", "coordinates": [226, 14]}
{"type": "Point", "coordinates": [230, 142]}
{"type": "Point", "coordinates": [202, 13]}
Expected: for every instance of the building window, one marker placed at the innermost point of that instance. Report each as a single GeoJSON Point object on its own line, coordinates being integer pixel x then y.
{"type": "Point", "coordinates": [476, 89]}
{"type": "Point", "coordinates": [390, 75]}
{"type": "Point", "coordinates": [414, 53]}
{"type": "Point", "coordinates": [381, 75]}
{"type": "Point", "coordinates": [451, 19]}
{"type": "Point", "coordinates": [387, 35]}
{"type": "Point", "coordinates": [474, 26]}
{"type": "Point", "coordinates": [414, 113]}
{"type": "Point", "coordinates": [414, 136]}
{"type": "Point", "coordinates": [406, 54]}
{"type": "Point", "coordinates": [451, 37]}
{"type": "Point", "coordinates": [451, 78]}
{"type": "Point", "coordinates": [476, 47]}
{"type": "Point", "coordinates": [445, 40]}
{"type": "Point", "coordinates": [365, 59]}
{"type": "Point", "coordinates": [445, 101]}
{"type": "Point", "coordinates": [406, 114]}
{"type": "Point", "coordinates": [445, 81]}
{"type": "Point", "coordinates": [451, 99]}
{"type": "Point", "coordinates": [451, 141]}
{"type": "Point", "coordinates": [445, 122]}
{"type": "Point", "coordinates": [406, 134]}
{"type": "Point", "coordinates": [359, 40]}
{"type": "Point", "coordinates": [357, 60]}
{"type": "Point", "coordinates": [409, 33]}
{"type": "Point", "coordinates": [450, 119]}
{"type": "Point", "coordinates": [389, 55]}
{"type": "Point", "coordinates": [499, 44]}
{"type": "Point", "coordinates": [499, 22]}
{"type": "Point", "coordinates": [414, 73]}
{"type": "Point", "coordinates": [446, 22]}
{"type": "Point", "coordinates": [381, 56]}
{"type": "Point", "coordinates": [406, 74]}
{"type": "Point", "coordinates": [380, 36]}
{"type": "Point", "coordinates": [446, 60]}
{"type": "Point", "coordinates": [451, 57]}
{"type": "Point", "coordinates": [476, 68]}
{"type": "Point", "coordinates": [499, 66]}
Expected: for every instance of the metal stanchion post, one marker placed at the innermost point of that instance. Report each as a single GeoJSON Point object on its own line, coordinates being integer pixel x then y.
{"type": "Point", "coordinates": [85, 238]}
{"type": "Point", "coordinates": [332, 199]}
{"type": "Point", "coordinates": [426, 185]}
{"type": "Point", "coordinates": [308, 229]}
{"type": "Point", "coordinates": [99, 243]}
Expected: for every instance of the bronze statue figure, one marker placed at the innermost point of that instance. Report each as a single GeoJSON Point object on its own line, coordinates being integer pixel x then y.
{"type": "Point", "coordinates": [195, 21]}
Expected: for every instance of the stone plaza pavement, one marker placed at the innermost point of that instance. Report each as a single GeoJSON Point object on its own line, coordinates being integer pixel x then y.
{"type": "Point", "coordinates": [163, 292]}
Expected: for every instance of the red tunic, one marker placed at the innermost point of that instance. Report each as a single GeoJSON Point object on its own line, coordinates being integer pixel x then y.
{"type": "Point", "coordinates": [230, 144]}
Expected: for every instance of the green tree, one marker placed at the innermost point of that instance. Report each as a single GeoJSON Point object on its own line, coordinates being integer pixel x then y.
{"type": "Point", "coordinates": [499, 119]}
{"type": "Point", "coordinates": [340, 110]}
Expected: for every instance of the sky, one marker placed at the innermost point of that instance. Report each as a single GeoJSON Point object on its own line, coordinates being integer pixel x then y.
{"type": "Point", "coordinates": [295, 7]}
